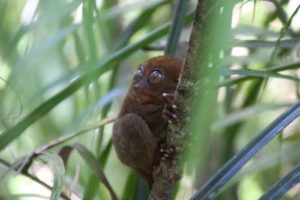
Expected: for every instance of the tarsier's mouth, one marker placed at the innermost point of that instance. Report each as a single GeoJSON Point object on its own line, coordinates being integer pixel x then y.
{"type": "Point", "coordinates": [144, 97]}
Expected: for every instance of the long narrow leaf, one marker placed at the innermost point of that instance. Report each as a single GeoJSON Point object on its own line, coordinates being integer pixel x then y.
{"type": "Point", "coordinates": [101, 67]}
{"type": "Point", "coordinates": [176, 28]}
{"type": "Point", "coordinates": [231, 168]}
{"type": "Point", "coordinates": [246, 74]}
{"type": "Point", "coordinates": [285, 43]}
{"type": "Point", "coordinates": [92, 162]}
{"type": "Point", "coordinates": [277, 191]}
{"type": "Point", "coordinates": [58, 171]}
{"type": "Point", "coordinates": [130, 186]}
{"type": "Point", "coordinates": [245, 113]}
{"type": "Point", "coordinates": [289, 66]}
{"type": "Point", "coordinates": [256, 73]}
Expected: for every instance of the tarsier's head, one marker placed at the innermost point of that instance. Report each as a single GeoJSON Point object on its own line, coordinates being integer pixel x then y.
{"type": "Point", "coordinates": [154, 77]}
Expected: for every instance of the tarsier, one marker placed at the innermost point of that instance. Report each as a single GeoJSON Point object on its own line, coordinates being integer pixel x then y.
{"type": "Point", "coordinates": [140, 130]}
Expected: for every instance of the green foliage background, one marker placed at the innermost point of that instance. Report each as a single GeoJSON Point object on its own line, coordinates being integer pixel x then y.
{"type": "Point", "coordinates": [65, 66]}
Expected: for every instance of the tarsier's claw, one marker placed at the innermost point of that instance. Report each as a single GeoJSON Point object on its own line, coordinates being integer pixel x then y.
{"type": "Point", "coordinates": [169, 153]}
{"type": "Point", "coordinates": [170, 114]}
{"type": "Point", "coordinates": [171, 111]}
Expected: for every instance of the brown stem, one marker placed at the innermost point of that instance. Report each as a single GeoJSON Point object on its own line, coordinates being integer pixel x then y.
{"type": "Point", "coordinates": [162, 187]}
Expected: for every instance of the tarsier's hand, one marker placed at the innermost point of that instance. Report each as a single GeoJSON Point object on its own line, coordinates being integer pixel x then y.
{"type": "Point", "coordinates": [172, 113]}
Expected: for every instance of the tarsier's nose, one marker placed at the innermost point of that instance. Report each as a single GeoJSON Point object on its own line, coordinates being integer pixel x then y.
{"type": "Point", "coordinates": [138, 86]}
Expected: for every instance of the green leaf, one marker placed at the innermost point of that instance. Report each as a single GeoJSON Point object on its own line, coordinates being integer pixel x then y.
{"type": "Point", "coordinates": [280, 11]}
{"type": "Point", "coordinates": [95, 108]}
{"type": "Point", "coordinates": [94, 165]}
{"type": "Point", "coordinates": [256, 73]}
{"type": "Point", "coordinates": [277, 191]}
{"type": "Point", "coordinates": [120, 9]}
{"type": "Point", "coordinates": [130, 186]}
{"type": "Point", "coordinates": [247, 74]}
{"type": "Point", "coordinates": [243, 114]}
{"type": "Point", "coordinates": [213, 186]}
{"type": "Point", "coordinates": [251, 30]}
{"type": "Point", "coordinates": [252, 44]}
{"type": "Point", "coordinates": [101, 67]}
{"type": "Point", "coordinates": [58, 170]}
{"type": "Point", "coordinates": [177, 24]}
{"type": "Point", "coordinates": [289, 66]}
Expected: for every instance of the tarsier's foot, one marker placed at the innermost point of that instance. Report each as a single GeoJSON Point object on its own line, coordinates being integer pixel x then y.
{"type": "Point", "coordinates": [169, 153]}
{"type": "Point", "coordinates": [171, 179]}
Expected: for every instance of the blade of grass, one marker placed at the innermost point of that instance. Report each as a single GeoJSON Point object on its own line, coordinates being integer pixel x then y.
{"type": "Point", "coordinates": [46, 43]}
{"type": "Point", "coordinates": [266, 161]}
{"type": "Point", "coordinates": [101, 67]}
{"type": "Point", "coordinates": [92, 162]}
{"type": "Point", "coordinates": [277, 191]}
{"type": "Point", "coordinates": [230, 169]}
{"type": "Point", "coordinates": [123, 8]}
{"type": "Point", "coordinates": [275, 50]}
{"type": "Point", "coordinates": [141, 190]}
{"type": "Point", "coordinates": [256, 73]}
{"type": "Point", "coordinates": [95, 108]}
{"type": "Point", "coordinates": [58, 170]}
{"type": "Point", "coordinates": [23, 163]}
{"type": "Point", "coordinates": [284, 43]}
{"type": "Point", "coordinates": [289, 66]}
{"type": "Point", "coordinates": [248, 30]}
{"type": "Point", "coordinates": [41, 20]}
{"type": "Point", "coordinates": [271, 159]}
{"type": "Point", "coordinates": [130, 186]}
{"type": "Point", "coordinates": [241, 115]}
{"type": "Point", "coordinates": [281, 14]}
{"type": "Point", "coordinates": [177, 24]}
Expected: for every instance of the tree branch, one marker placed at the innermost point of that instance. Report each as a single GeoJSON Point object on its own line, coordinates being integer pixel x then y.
{"type": "Point", "coordinates": [162, 187]}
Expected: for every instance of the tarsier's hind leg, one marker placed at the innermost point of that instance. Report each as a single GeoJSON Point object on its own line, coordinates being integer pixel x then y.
{"type": "Point", "coordinates": [135, 144]}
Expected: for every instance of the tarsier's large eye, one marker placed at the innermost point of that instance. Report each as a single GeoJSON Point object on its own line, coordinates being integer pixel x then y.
{"type": "Point", "coordinates": [155, 76]}
{"type": "Point", "coordinates": [138, 75]}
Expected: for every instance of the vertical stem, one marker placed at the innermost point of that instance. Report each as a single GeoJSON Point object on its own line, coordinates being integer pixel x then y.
{"type": "Point", "coordinates": [196, 88]}
{"type": "Point", "coordinates": [177, 24]}
{"type": "Point", "coordinates": [162, 187]}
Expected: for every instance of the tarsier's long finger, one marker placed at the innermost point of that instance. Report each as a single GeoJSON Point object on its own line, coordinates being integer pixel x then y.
{"type": "Point", "coordinates": [168, 97]}
{"type": "Point", "coordinates": [171, 117]}
{"type": "Point", "coordinates": [169, 153]}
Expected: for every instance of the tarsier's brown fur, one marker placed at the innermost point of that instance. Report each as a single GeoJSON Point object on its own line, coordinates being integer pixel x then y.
{"type": "Point", "coordinates": [141, 126]}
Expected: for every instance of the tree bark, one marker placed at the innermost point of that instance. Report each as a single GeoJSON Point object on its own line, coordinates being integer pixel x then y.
{"type": "Point", "coordinates": [162, 187]}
